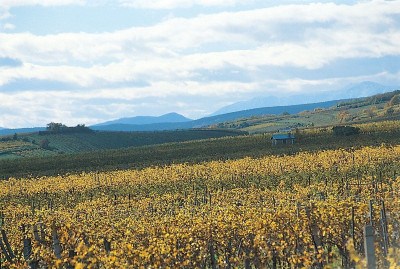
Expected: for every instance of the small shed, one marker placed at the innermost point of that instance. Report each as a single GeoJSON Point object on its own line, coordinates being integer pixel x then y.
{"type": "Point", "coordinates": [283, 139]}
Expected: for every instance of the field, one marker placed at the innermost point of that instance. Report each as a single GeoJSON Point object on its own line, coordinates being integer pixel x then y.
{"type": "Point", "coordinates": [305, 205]}
{"type": "Point", "coordinates": [304, 210]}
{"type": "Point", "coordinates": [8, 148]}
{"type": "Point", "coordinates": [370, 109]}
{"type": "Point", "coordinates": [29, 145]}
{"type": "Point", "coordinates": [328, 201]}
{"type": "Point", "coordinates": [224, 148]}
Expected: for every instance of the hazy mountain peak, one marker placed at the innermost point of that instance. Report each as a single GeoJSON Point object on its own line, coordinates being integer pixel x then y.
{"type": "Point", "coordinates": [363, 89]}
{"type": "Point", "coordinates": [367, 88]}
{"type": "Point", "coordinates": [174, 117]}
{"type": "Point", "coordinates": [140, 120]}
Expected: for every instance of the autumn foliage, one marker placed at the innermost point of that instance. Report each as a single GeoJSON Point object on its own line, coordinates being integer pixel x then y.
{"type": "Point", "coordinates": [302, 210]}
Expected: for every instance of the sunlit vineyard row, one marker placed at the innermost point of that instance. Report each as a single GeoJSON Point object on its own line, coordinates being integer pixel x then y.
{"type": "Point", "coordinates": [303, 210]}
{"type": "Point", "coordinates": [368, 127]}
{"type": "Point", "coordinates": [11, 145]}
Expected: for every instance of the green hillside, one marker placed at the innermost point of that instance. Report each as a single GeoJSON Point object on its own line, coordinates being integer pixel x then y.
{"type": "Point", "coordinates": [308, 139]}
{"type": "Point", "coordinates": [377, 117]}
{"type": "Point", "coordinates": [375, 108]}
{"type": "Point", "coordinates": [40, 144]}
{"type": "Point", "coordinates": [206, 121]}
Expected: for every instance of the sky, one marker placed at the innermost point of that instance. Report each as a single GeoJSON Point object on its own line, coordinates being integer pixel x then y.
{"type": "Point", "coordinates": [89, 61]}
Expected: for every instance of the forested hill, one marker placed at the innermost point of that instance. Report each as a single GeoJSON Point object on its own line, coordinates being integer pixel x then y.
{"type": "Point", "coordinates": [206, 121]}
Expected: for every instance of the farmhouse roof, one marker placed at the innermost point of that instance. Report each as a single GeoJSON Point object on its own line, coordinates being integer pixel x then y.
{"type": "Point", "coordinates": [283, 136]}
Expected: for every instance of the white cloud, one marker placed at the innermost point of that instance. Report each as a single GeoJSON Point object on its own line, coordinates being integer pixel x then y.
{"type": "Point", "coordinates": [36, 108]}
{"type": "Point", "coordinates": [329, 45]}
{"type": "Point", "coordinates": [352, 29]}
{"type": "Point", "coordinates": [173, 56]}
{"type": "Point", "coordinates": [4, 13]}
{"type": "Point", "coordinates": [9, 26]}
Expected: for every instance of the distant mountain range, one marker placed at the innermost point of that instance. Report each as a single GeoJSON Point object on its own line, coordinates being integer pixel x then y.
{"type": "Point", "coordinates": [254, 107]}
{"type": "Point", "coordinates": [123, 124]}
{"type": "Point", "coordinates": [139, 120]}
{"type": "Point", "coordinates": [5, 131]}
{"type": "Point", "coordinates": [363, 89]}
{"type": "Point", "coordinates": [215, 119]}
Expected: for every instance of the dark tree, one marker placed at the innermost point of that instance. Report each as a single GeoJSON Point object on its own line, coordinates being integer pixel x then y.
{"type": "Point", "coordinates": [55, 127]}
{"type": "Point", "coordinates": [44, 144]}
{"type": "Point", "coordinates": [345, 130]}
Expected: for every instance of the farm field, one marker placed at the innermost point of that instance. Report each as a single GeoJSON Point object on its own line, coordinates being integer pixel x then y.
{"type": "Point", "coordinates": [8, 148]}
{"type": "Point", "coordinates": [169, 134]}
{"type": "Point", "coordinates": [29, 145]}
{"type": "Point", "coordinates": [231, 202]}
{"type": "Point", "coordinates": [303, 210]}
{"type": "Point", "coordinates": [375, 108]}
{"type": "Point", "coordinates": [224, 148]}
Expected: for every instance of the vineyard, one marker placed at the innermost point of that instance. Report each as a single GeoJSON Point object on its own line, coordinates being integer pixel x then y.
{"type": "Point", "coordinates": [312, 209]}
{"type": "Point", "coordinates": [380, 107]}
{"type": "Point", "coordinates": [225, 148]}
{"type": "Point", "coordinates": [9, 147]}
{"type": "Point", "coordinates": [29, 144]}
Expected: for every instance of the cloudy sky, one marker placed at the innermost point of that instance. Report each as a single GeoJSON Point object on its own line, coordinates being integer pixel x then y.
{"type": "Point", "coordinates": [87, 61]}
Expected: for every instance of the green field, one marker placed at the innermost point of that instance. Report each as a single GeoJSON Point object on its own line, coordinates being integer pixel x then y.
{"type": "Point", "coordinates": [29, 145]}
{"type": "Point", "coordinates": [23, 155]}
{"type": "Point", "coordinates": [224, 148]}
{"type": "Point", "coordinates": [369, 109]}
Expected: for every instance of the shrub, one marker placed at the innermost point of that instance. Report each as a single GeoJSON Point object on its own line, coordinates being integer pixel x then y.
{"type": "Point", "coordinates": [44, 144]}
{"type": "Point", "coordinates": [389, 111]}
{"type": "Point", "coordinates": [345, 130]}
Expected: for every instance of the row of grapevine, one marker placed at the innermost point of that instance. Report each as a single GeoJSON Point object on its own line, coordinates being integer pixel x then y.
{"type": "Point", "coordinates": [301, 210]}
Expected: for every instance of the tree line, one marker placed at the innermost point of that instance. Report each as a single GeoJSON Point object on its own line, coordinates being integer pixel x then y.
{"type": "Point", "coordinates": [57, 128]}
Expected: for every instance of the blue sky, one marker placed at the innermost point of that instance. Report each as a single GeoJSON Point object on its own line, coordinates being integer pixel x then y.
{"type": "Point", "coordinates": [87, 61]}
